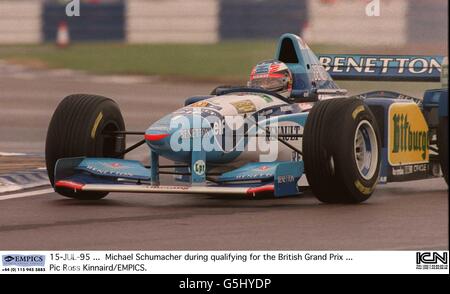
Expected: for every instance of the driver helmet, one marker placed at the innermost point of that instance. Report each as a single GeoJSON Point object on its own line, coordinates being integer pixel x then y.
{"type": "Point", "coordinates": [272, 75]}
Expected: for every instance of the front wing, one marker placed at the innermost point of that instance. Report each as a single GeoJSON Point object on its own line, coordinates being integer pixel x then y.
{"type": "Point", "coordinates": [134, 188]}
{"type": "Point", "coordinates": [118, 175]}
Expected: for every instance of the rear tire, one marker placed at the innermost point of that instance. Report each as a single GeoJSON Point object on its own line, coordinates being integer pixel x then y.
{"type": "Point", "coordinates": [443, 146]}
{"type": "Point", "coordinates": [76, 130]}
{"type": "Point", "coordinates": [341, 150]}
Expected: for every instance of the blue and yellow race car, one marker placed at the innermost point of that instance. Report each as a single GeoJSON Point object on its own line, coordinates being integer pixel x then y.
{"type": "Point", "coordinates": [289, 129]}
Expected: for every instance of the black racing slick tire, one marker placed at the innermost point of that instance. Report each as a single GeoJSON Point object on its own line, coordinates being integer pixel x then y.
{"type": "Point", "coordinates": [341, 150]}
{"type": "Point", "coordinates": [76, 129]}
{"type": "Point", "coordinates": [443, 146]}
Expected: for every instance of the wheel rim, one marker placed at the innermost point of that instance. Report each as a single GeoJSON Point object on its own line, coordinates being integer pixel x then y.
{"type": "Point", "coordinates": [366, 150]}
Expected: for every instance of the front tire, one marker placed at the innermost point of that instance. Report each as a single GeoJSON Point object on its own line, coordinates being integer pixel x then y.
{"type": "Point", "coordinates": [341, 151]}
{"type": "Point", "coordinates": [76, 129]}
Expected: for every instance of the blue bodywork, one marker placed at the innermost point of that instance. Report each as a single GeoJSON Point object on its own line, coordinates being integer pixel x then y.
{"type": "Point", "coordinates": [437, 98]}
{"type": "Point", "coordinates": [106, 168]}
{"type": "Point", "coordinates": [284, 175]}
{"type": "Point", "coordinates": [307, 71]}
{"type": "Point", "coordinates": [109, 167]}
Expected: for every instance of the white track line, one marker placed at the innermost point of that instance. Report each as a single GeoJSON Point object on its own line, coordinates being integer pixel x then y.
{"type": "Point", "coordinates": [27, 194]}
{"type": "Point", "coordinates": [12, 154]}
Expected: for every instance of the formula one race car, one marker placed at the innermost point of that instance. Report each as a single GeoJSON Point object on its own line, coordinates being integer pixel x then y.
{"type": "Point", "coordinates": [289, 129]}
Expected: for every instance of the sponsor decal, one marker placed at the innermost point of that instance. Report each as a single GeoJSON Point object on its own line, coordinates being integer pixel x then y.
{"type": "Point", "coordinates": [23, 260]}
{"type": "Point", "coordinates": [383, 65]}
{"type": "Point", "coordinates": [408, 135]}
{"type": "Point", "coordinates": [357, 110]}
{"type": "Point", "coordinates": [244, 106]}
{"type": "Point", "coordinates": [409, 169]}
{"type": "Point", "coordinates": [194, 132]}
{"type": "Point", "coordinates": [318, 73]}
{"type": "Point", "coordinates": [264, 167]}
{"type": "Point", "coordinates": [254, 176]}
{"type": "Point", "coordinates": [286, 108]}
{"type": "Point", "coordinates": [266, 98]}
{"type": "Point", "coordinates": [389, 94]}
{"type": "Point", "coordinates": [200, 104]}
{"type": "Point", "coordinates": [363, 189]}
{"type": "Point", "coordinates": [153, 187]}
{"type": "Point", "coordinates": [401, 170]}
{"type": "Point", "coordinates": [288, 131]}
{"type": "Point", "coordinates": [266, 112]}
{"type": "Point", "coordinates": [283, 130]}
{"type": "Point", "coordinates": [285, 179]}
{"type": "Point", "coordinates": [204, 103]}
{"type": "Point", "coordinates": [115, 165]}
{"type": "Point", "coordinates": [96, 123]}
{"type": "Point", "coordinates": [218, 127]}
{"type": "Point", "coordinates": [97, 170]}
{"type": "Point", "coordinates": [199, 167]}
{"type": "Point", "coordinates": [295, 156]}
{"type": "Point", "coordinates": [205, 112]}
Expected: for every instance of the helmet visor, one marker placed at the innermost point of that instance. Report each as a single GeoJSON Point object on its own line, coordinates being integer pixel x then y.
{"type": "Point", "coordinates": [269, 83]}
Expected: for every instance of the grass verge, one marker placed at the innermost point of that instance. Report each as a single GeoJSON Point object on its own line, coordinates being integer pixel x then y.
{"type": "Point", "coordinates": [225, 62]}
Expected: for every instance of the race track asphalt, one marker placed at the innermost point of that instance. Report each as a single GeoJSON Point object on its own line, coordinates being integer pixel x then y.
{"type": "Point", "coordinates": [408, 216]}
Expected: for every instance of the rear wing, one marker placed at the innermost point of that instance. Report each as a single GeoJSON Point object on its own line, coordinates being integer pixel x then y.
{"type": "Point", "coordinates": [383, 67]}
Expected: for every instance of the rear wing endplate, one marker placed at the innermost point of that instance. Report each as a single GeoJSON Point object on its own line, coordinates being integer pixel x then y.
{"type": "Point", "coordinates": [383, 67]}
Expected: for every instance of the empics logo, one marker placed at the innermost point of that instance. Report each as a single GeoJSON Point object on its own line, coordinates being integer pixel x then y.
{"type": "Point", "coordinates": [8, 258]}
{"type": "Point", "coordinates": [408, 135]}
{"type": "Point", "coordinates": [23, 260]}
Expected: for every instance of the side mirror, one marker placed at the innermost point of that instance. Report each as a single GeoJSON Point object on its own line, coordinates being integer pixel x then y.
{"type": "Point", "coordinates": [299, 96]}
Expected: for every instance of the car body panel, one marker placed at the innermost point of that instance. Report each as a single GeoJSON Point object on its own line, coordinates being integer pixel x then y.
{"type": "Point", "coordinates": [404, 122]}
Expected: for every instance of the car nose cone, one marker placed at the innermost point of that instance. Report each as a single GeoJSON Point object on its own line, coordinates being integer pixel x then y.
{"type": "Point", "coordinates": [153, 138]}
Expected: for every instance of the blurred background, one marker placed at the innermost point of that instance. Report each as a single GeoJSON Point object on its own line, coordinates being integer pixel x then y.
{"type": "Point", "coordinates": [210, 39]}
{"type": "Point", "coordinates": [149, 55]}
